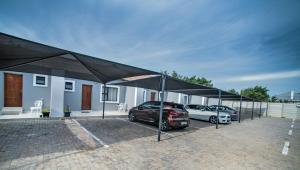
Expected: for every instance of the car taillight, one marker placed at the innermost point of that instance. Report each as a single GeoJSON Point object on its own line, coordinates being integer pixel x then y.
{"type": "Point", "coordinates": [172, 114]}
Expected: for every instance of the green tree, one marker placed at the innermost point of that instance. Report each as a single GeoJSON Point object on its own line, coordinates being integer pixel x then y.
{"type": "Point", "coordinates": [193, 79]}
{"type": "Point", "coordinates": [274, 99]}
{"type": "Point", "coordinates": [258, 92]}
{"type": "Point", "coordinates": [233, 91]}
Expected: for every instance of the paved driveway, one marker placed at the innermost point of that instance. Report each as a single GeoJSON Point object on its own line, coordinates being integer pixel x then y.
{"type": "Point", "coordinates": [79, 144]}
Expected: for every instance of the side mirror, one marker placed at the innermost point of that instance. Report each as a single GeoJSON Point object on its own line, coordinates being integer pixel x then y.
{"type": "Point", "coordinates": [140, 108]}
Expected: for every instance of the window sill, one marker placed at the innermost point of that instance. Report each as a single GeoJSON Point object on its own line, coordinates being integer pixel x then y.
{"type": "Point", "coordinates": [37, 85]}
{"type": "Point", "coordinates": [113, 102]}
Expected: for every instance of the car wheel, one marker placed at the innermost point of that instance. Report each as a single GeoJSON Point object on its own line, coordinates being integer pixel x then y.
{"type": "Point", "coordinates": [164, 125]}
{"type": "Point", "coordinates": [131, 117]}
{"type": "Point", "coordinates": [213, 119]}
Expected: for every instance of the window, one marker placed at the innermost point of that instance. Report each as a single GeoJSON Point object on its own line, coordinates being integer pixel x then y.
{"type": "Point", "coordinates": [152, 97]}
{"type": "Point", "coordinates": [69, 85]}
{"type": "Point", "coordinates": [159, 96]}
{"type": "Point", "coordinates": [112, 94]}
{"type": "Point", "coordinates": [144, 95]}
{"type": "Point", "coordinates": [174, 106]}
{"type": "Point", "coordinates": [40, 80]}
{"type": "Point", "coordinates": [191, 106]}
{"type": "Point", "coordinates": [147, 105]}
{"type": "Point", "coordinates": [185, 99]}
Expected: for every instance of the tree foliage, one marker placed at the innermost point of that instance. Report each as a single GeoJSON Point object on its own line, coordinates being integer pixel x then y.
{"type": "Point", "coordinates": [273, 99]}
{"type": "Point", "coordinates": [233, 91]}
{"type": "Point", "coordinates": [193, 79]}
{"type": "Point", "coordinates": [258, 92]}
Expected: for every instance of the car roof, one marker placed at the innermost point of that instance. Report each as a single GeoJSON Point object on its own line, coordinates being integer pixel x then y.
{"type": "Point", "coordinates": [165, 103]}
{"type": "Point", "coordinates": [195, 105]}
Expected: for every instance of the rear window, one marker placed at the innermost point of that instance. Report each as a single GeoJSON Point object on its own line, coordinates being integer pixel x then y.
{"type": "Point", "coordinates": [174, 106]}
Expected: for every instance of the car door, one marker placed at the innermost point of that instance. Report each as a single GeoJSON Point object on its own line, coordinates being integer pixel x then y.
{"type": "Point", "coordinates": [207, 113]}
{"type": "Point", "coordinates": [155, 111]}
{"type": "Point", "coordinates": [201, 113]}
{"type": "Point", "coordinates": [144, 112]}
{"type": "Point", "coordinates": [192, 111]}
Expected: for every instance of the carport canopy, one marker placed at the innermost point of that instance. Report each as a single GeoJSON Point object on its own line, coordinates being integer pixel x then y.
{"type": "Point", "coordinates": [154, 83]}
{"type": "Point", "coordinates": [164, 82]}
{"type": "Point", "coordinates": [179, 86]}
{"type": "Point", "coordinates": [17, 54]}
{"type": "Point", "coordinates": [213, 93]}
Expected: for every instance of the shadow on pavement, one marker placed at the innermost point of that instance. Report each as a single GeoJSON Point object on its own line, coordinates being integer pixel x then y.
{"type": "Point", "coordinates": [114, 130]}
{"type": "Point", "coordinates": [24, 138]}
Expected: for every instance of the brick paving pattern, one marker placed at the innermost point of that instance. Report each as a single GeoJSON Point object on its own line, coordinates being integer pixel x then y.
{"type": "Point", "coordinates": [62, 144]}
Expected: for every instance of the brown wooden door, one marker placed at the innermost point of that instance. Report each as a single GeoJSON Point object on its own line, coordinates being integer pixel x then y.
{"type": "Point", "coordinates": [13, 85]}
{"type": "Point", "coordinates": [152, 97]}
{"type": "Point", "coordinates": [86, 101]}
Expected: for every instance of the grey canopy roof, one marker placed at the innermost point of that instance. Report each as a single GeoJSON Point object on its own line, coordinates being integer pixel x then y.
{"type": "Point", "coordinates": [213, 93]}
{"type": "Point", "coordinates": [179, 86]}
{"type": "Point", "coordinates": [154, 82]}
{"type": "Point", "coordinates": [17, 54]}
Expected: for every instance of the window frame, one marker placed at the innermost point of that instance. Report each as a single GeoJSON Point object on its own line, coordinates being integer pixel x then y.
{"type": "Point", "coordinates": [40, 85]}
{"type": "Point", "coordinates": [187, 99]}
{"type": "Point", "coordinates": [144, 95]}
{"type": "Point", "coordinates": [118, 94]}
{"type": "Point", "coordinates": [73, 85]}
{"type": "Point", "coordinates": [159, 96]}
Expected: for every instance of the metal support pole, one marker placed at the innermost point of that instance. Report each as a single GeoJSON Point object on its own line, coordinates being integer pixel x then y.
{"type": "Point", "coordinates": [217, 123]}
{"type": "Point", "coordinates": [163, 77]}
{"type": "Point", "coordinates": [252, 109]}
{"type": "Point", "coordinates": [104, 98]}
{"type": "Point", "coordinates": [282, 109]}
{"type": "Point", "coordinates": [259, 110]}
{"type": "Point", "coordinates": [240, 111]}
{"type": "Point", "coordinates": [267, 109]}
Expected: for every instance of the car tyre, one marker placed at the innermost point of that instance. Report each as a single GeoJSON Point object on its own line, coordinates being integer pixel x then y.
{"type": "Point", "coordinates": [165, 125]}
{"type": "Point", "coordinates": [213, 119]}
{"type": "Point", "coordinates": [131, 117]}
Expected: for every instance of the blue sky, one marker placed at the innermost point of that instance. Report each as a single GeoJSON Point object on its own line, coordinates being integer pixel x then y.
{"type": "Point", "coordinates": [236, 44]}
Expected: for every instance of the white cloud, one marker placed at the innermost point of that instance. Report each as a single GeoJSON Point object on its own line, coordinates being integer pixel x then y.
{"type": "Point", "coordinates": [265, 76]}
{"type": "Point", "coordinates": [19, 30]}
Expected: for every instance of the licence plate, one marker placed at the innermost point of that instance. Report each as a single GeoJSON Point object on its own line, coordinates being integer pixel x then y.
{"type": "Point", "coordinates": [183, 123]}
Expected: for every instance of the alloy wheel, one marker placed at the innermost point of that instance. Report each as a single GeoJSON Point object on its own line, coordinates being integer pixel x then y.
{"type": "Point", "coordinates": [213, 119]}
{"type": "Point", "coordinates": [131, 117]}
{"type": "Point", "coordinates": [164, 125]}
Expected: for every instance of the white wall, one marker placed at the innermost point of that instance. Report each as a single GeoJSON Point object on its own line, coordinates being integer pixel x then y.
{"type": "Point", "coordinates": [285, 110]}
